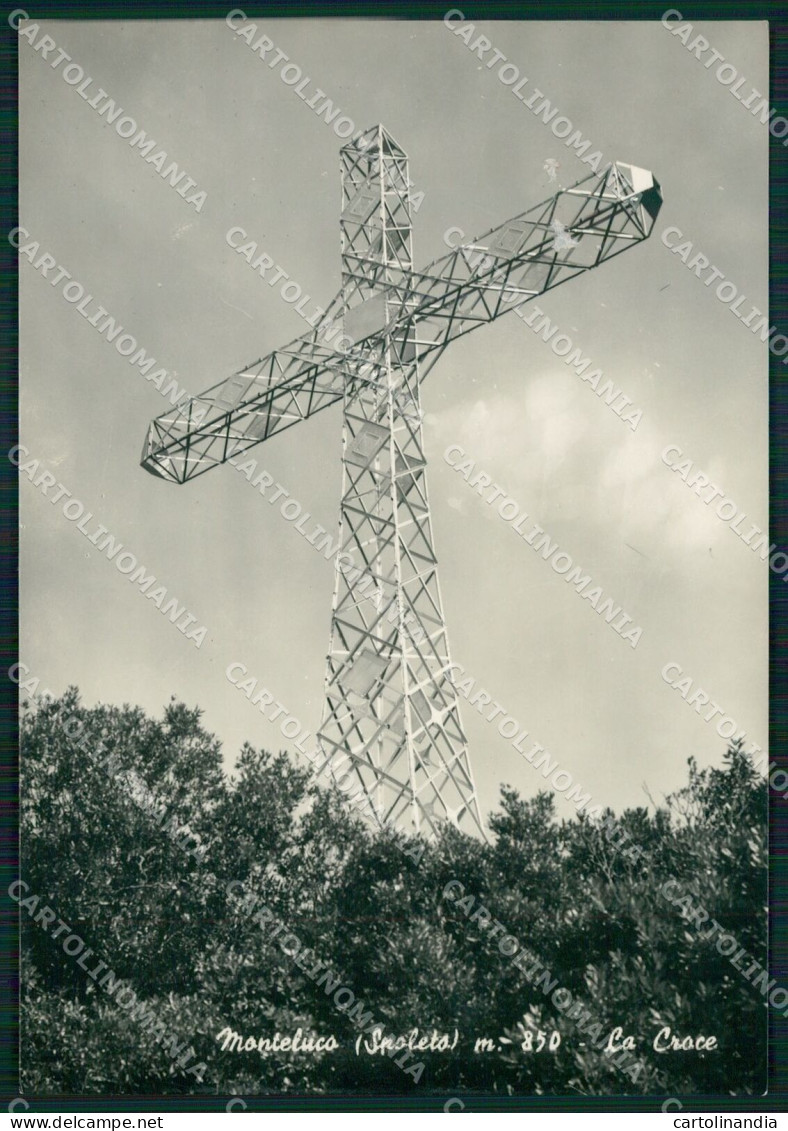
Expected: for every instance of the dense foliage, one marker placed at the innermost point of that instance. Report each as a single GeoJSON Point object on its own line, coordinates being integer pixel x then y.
{"type": "Point", "coordinates": [135, 849]}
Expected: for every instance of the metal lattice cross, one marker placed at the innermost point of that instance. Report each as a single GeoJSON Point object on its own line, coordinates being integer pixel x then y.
{"type": "Point", "coordinates": [391, 714]}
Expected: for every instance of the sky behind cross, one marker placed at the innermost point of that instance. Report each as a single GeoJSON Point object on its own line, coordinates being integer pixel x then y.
{"type": "Point", "coordinates": [271, 166]}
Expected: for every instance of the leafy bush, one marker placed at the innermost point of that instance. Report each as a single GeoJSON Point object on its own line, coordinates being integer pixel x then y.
{"type": "Point", "coordinates": [157, 859]}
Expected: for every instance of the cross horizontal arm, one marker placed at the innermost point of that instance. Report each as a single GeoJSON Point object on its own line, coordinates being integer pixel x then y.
{"type": "Point", "coordinates": [262, 399]}
{"type": "Point", "coordinates": [572, 232]}
{"type": "Point", "coordinates": [419, 314]}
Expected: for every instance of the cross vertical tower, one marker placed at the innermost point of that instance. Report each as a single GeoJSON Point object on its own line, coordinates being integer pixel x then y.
{"type": "Point", "coordinates": [391, 718]}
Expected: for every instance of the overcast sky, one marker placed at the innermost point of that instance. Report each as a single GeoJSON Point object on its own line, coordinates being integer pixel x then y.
{"type": "Point", "coordinates": [270, 166]}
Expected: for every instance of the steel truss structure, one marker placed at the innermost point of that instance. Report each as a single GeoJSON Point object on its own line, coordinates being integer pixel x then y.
{"type": "Point", "coordinates": [391, 717]}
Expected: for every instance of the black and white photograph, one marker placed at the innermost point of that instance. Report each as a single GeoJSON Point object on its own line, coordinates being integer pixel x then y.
{"type": "Point", "coordinates": [394, 559]}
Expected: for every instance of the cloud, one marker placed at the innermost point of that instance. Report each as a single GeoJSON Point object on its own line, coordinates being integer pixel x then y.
{"type": "Point", "coordinates": [563, 464]}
